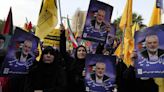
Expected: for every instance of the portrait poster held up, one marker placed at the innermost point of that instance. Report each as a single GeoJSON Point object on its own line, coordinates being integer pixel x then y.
{"type": "Point", "coordinates": [111, 34]}
{"type": "Point", "coordinates": [109, 40]}
{"type": "Point", "coordinates": [149, 45]}
{"type": "Point", "coordinates": [20, 54]}
{"type": "Point", "coordinates": [97, 22]}
{"type": "Point", "coordinates": [100, 73]}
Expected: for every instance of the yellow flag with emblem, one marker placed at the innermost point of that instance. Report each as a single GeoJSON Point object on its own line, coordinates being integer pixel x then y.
{"type": "Point", "coordinates": [52, 39]}
{"type": "Point", "coordinates": [135, 27]}
{"type": "Point", "coordinates": [126, 47]}
{"type": "Point", "coordinates": [155, 17]}
{"type": "Point", "coordinates": [126, 18]}
{"type": "Point", "coordinates": [47, 18]}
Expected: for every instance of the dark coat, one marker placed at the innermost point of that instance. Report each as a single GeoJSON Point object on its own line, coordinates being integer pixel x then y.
{"type": "Point", "coordinates": [73, 67]}
{"type": "Point", "coordinates": [49, 77]}
{"type": "Point", "coordinates": [46, 77]}
{"type": "Point", "coordinates": [75, 79]}
{"type": "Point", "coordinates": [18, 55]}
{"type": "Point", "coordinates": [145, 53]}
{"type": "Point", "coordinates": [102, 26]}
{"type": "Point", "coordinates": [120, 80]}
{"type": "Point", "coordinates": [67, 62]}
{"type": "Point", "coordinates": [105, 78]}
{"type": "Point", "coordinates": [2, 57]}
{"type": "Point", "coordinates": [134, 84]}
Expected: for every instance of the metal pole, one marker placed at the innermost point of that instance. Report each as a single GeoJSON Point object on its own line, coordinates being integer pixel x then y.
{"type": "Point", "coordinates": [60, 15]}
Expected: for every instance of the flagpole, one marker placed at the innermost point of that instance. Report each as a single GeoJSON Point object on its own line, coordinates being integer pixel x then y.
{"type": "Point", "coordinates": [161, 15]}
{"type": "Point", "coordinates": [77, 22]}
{"type": "Point", "coordinates": [60, 14]}
{"type": "Point", "coordinates": [26, 20]}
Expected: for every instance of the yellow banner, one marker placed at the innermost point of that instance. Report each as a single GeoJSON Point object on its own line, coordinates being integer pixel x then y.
{"type": "Point", "coordinates": [52, 39]}
{"type": "Point", "coordinates": [47, 18]}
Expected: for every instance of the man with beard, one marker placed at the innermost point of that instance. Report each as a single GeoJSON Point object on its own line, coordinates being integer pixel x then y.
{"type": "Point", "coordinates": [99, 82]}
{"type": "Point", "coordinates": [23, 58]}
{"type": "Point", "coordinates": [99, 76]}
{"type": "Point", "coordinates": [152, 52]}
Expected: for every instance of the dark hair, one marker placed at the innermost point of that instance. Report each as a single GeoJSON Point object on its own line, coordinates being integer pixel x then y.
{"type": "Point", "coordinates": [51, 50]}
{"type": "Point", "coordinates": [99, 61]}
{"type": "Point", "coordinates": [2, 37]}
{"type": "Point", "coordinates": [101, 8]}
{"type": "Point", "coordinates": [77, 50]}
{"type": "Point", "coordinates": [151, 34]}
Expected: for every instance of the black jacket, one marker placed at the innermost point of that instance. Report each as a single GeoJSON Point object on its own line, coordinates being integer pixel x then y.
{"type": "Point", "coordinates": [46, 77]}
{"type": "Point", "coordinates": [120, 79]}
{"type": "Point", "coordinates": [93, 76]}
{"type": "Point", "coordinates": [93, 22]}
{"type": "Point", "coordinates": [18, 55]}
{"type": "Point", "coordinates": [75, 79]}
{"type": "Point", "coordinates": [134, 84]}
{"type": "Point", "coordinates": [145, 53]}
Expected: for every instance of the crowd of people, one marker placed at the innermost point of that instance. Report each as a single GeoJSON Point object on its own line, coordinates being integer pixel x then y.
{"type": "Point", "coordinates": [58, 71]}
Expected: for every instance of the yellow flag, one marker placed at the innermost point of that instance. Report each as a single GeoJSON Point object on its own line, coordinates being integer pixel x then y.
{"type": "Point", "coordinates": [52, 39]}
{"type": "Point", "coordinates": [127, 47]}
{"type": "Point", "coordinates": [47, 18]}
{"type": "Point", "coordinates": [126, 19]}
{"type": "Point", "coordinates": [135, 27]}
{"type": "Point", "coordinates": [40, 52]}
{"type": "Point", "coordinates": [155, 17]}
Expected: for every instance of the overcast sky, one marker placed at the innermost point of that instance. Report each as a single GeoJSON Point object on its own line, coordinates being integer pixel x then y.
{"type": "Point", "coordinates": [29, 9]}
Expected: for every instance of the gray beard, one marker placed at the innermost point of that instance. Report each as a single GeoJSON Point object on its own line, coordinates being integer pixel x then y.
{"type": "Point", "coordinates": [152, 50]}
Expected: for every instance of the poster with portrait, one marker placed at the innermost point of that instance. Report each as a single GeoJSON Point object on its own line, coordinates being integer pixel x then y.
{"type": "Point", "coordinates": [112, 40]}
{"type": "Point", "coordinates": [93, 47]}
{"type": "Point", "coordinates": [20, 55]}
{"type": "Point", "coordinates": [109, 41]}
{"type": "Point", "coordinates": [160, 4]}
{"type": "Point", "coordinates": [149, 45]}
{"type": "Point", "coordinates": [100, 73]}
{"type": "Point", "coordinates": [111, 35]}
{"type": "Point", "coordinates": [97, 22]}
